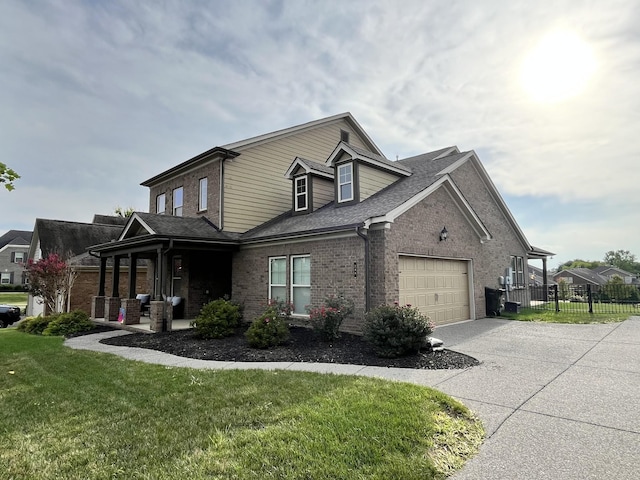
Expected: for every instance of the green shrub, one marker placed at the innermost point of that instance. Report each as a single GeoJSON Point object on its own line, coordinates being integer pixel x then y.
{"type": "Point", "coordinates": [327, 319]}
{"type": "Point", "coordinates": [394, 331]}
{"type": "Point", "coordinates": [34, 325]}
{"type": "Point", "coordinates": [269, 329]}
{"type": "Point", "coordinates": [65, 324]}
{"type": "Point", "coordinates": [217, 319]}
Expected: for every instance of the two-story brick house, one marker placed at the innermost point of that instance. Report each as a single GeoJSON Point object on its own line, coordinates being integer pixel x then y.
{"type": "Point", "coordinates": [14, 247]}
{"type": "Point", "coordinates": [317, 209]}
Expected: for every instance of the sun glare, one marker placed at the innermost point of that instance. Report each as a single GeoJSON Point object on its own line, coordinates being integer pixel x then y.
{"type": "Point", "coordinates": [558, 68]}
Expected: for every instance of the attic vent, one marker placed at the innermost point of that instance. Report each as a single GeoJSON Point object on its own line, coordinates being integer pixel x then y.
{"type": "Point", "coordinates": [344, 136]}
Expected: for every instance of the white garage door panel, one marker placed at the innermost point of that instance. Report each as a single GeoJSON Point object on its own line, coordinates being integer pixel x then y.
{"type": "Point", "coordinates": [439, 288]}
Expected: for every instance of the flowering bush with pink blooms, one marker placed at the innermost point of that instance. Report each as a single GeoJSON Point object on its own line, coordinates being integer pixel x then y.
{"type": "Point", "coordinates": [51, 279]}
{"type": "Point", "coordinates": [326, 320]}
{"type": "Point", "coordinates": [272, 327]}
{"type": "Point", "coordinates": [395, 331]}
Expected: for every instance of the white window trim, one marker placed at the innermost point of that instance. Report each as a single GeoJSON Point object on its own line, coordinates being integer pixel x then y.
{"type": "Point", "coordinates": [305, 194]}
{"type": "Point", "coordinates": [3, 277]}
{"type": "Point", "coordinates": [175, 205]}
{"type": "Point", "coordinates": [15, 257]}
{"type": "Point", "coordinates": [202, 199]}
{"type": "Point", "coordinates": [340, 184]}
{"type": "Point", "coordinates": [285, 276]}
{"type": "Point", "coordinates": [298, 285]}
{"type": "Point", "coordinates": [164, 204]}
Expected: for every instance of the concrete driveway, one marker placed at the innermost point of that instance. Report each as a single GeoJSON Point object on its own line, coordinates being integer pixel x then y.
{"type": "Point", "coordinates": [557, 401]}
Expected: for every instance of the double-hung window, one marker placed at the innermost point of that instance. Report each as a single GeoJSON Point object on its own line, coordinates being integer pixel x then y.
{"type": "Point", "coordinates": [177, 202]}
{"type": "Point", "coordinates": [5, 278]}
{"type": "Point", "coordinates": [517, 271]}
{"type": "Point", "coordinates": [300, 283]}
{"type": "Point", "coordinates": [345, 182]}
{"type": "Point", "coordinates": [278, 278]}
{"type": "Point", "coordinates": [161, 201]}
{"type": "Point", "coordinates": [17, 257]}
{"type": "Point", "coordinates": [202, 194]}
{"type": "Point", "coordinates": [301, 196]}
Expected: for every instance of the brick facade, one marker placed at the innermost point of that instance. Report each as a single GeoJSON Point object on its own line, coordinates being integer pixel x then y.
{"type": "Point", "coordinates": [190, 183]}
{"type": "Point", "coordinates": [85, 287]}
{"type": "Point", "coordinates": [332, 272]}
{"type": "Point", "coordinates": [414, 232]}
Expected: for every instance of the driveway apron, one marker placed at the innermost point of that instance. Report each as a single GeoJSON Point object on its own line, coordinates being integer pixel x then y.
{"type": "Point", "coordinates": [557, 401]}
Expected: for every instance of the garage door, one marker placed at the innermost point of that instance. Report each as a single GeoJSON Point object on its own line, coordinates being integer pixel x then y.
{"type": "Point", "coordinates": [439, 288]}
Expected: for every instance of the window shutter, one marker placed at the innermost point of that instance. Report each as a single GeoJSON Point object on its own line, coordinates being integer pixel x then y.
{"type": "Point", "coordinates": [13, 257]}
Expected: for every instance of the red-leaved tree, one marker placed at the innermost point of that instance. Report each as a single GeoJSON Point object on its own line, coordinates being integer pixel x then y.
{"type": "Point", "coordinates": [51, 279]}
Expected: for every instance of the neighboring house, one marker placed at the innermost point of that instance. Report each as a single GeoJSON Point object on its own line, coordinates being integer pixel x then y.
{"type": "Point", "coordinates": [579, 276]}
{"type": "Point", "coordinates": [14, 247]}
{"type": "Point", "coordinates": [536, 277]}
{"type": "Point", "coordinates": [317, 209]}
{"type": "Point", "coordinates": [610, 273]}
{"type": "Point", "coordinates": [71, 240]}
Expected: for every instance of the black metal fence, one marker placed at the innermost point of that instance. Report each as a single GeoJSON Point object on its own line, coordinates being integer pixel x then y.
{"type": "Point", "coordinates": [610, 298]}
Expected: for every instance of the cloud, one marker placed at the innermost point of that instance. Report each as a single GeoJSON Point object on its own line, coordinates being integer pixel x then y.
{"type": "Point", "coordinates": [100, 96]}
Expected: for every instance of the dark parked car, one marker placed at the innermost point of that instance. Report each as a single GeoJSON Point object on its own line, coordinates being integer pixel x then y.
{"type": "Point", "coordinates": [8, 315]}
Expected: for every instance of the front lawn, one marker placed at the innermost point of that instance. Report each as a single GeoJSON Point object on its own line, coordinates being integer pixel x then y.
{"type": "Point", "coordinates": [19, 299]}
{"type": "Point", "coordinates": [77, 414]}
{"type": "Point", "coordinates": [551, 316]}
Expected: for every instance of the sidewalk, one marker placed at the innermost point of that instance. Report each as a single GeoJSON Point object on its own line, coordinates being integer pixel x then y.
{"type": "Point", "coordinates": [557, 401]}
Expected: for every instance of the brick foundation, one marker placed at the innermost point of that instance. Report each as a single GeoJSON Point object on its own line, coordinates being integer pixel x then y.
{"type": "Point", "coordinates": [131, 308]}
{"type": "Point", "coordinates": [97, 307]}
{"type": "Point", "coordinates": [156, 315]}
{"type": "Point", "coordinates": [111, 308]}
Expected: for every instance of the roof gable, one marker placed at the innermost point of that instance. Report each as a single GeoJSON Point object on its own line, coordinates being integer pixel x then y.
{"type": "Point", "coordinates": [346, 116]}
{"type": "Point", "coordinates": [344, 150]}
{"type": "Point", "coordinates": [308, 166]}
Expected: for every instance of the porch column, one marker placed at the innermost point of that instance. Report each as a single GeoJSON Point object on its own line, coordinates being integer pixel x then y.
{"type": "Point", "coordinates": [133, 267]}
{"type": "Point", "coordinates": [115, 279]}
{"type": "Point", "coordinates": [544, 280]}
{"type": "Point", "coordinates": [102, 276]}
{"type": "Point", "coordinates": [157, 286]}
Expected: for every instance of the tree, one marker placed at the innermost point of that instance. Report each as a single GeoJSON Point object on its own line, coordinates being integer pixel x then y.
{"type": "Point", "coordinates": [124, 213]}
{"type": "Point", "coordinates": [7, 176]}
{"type": "Point", "coordinates": [51, 279]}
{"type": "Point", "coordinates": [577, 263]}
{"type": "Point", "coordinates": [622, 259]}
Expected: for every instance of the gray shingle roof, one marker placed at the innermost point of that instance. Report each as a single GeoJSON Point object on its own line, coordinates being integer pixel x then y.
{"type": "Point", "coordinates": [110, 220]}
{"type": "Point", "coordinates": [364, 153]}
{"type": "Point", "coordinates": [72, 238]}
{"type": "Point", "coordinates": [16, 237]}
{"type": "Point", "coordinates": [316, 166]}
{"type": "Point", "coordinates": [186, 227]}
{"type": "Point", "coordinates": [586, 274]}
{"type": "Point", "coordinates": [424, 168]}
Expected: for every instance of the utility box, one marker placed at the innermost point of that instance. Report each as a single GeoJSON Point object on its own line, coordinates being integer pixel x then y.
{"type": "Point", "coordinates": [513, 307]}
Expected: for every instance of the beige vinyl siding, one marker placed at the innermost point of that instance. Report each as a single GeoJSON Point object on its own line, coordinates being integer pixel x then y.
{"type": "Point", "coordinates": [255, 189]}
{"type": "Point", "coordinates": [322, 192]}
{"type": "Point", "coordinates": [373, 180]}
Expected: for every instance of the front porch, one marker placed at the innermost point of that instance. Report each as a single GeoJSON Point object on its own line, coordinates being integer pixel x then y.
{"type": "Point", "coordinates": [144, 326]}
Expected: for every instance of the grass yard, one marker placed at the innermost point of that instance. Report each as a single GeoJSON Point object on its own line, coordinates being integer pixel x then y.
{"type": "Point", "coordinates": [551, 316]}
{"type": "Point", "coordinates": [76, 414]}
{"type": "Point", "coordinates": [19, 299]}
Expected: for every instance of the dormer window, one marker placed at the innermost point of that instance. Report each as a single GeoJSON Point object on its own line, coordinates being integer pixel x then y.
{"type": "Point", "coordinates": [301, 194]}
{"type": "Point", "coordinates": [345, 182]}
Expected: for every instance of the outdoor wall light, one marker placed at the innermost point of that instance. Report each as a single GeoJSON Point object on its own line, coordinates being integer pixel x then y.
{"type": "Point", "coordinates": [444, 234]}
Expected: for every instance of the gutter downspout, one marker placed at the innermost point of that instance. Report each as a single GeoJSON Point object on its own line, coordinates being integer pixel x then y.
{"type": "Point", "coordinates": [367, 289]}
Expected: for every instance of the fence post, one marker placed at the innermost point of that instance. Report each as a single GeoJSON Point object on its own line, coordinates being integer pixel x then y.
{"type": "Point", "coordinates": [555, 294]}
{"type": "Point", "coordinates": [590, 297]}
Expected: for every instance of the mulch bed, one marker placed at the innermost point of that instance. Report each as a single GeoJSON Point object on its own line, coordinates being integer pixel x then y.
{"type": "Point", "coordinates": [302, 346]}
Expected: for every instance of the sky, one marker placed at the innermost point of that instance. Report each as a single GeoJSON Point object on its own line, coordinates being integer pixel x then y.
{"type": "Point", "coordinates": [98, 96]}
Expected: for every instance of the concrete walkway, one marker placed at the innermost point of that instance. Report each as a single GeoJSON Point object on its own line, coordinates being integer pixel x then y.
{"type": "Point", "coordinates": [557, 401]}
